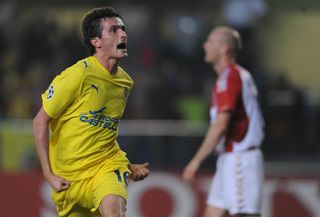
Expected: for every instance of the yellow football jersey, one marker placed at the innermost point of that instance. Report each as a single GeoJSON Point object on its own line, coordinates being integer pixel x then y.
{"type": "Point", "coordinates": [86, 103]}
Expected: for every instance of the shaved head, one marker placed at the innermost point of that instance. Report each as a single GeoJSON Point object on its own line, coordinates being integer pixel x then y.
{"type": "Point", "coordinates": [229, 36]}
{"type": "Point", "coordinates": [223, 44]}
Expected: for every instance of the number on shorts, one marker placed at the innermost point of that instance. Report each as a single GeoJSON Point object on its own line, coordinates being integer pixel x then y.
{"type": "Point", "coordinates": [125, 176]}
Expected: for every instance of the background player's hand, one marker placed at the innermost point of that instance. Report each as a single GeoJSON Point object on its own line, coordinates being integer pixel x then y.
{"type": "Point", "coordinates": [138, 171]}
{"type": "Point", "coordinates": [58, 183]}
{"type": "Point", "coordinates": [190, 170]}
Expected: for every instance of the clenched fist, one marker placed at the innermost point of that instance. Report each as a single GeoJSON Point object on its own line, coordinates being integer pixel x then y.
{"type": "Point", "coordinates": [138, 171]}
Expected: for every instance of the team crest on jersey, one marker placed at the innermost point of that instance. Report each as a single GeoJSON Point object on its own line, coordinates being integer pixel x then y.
{"type": "Point", "coordinates": [222, 83]}
{"type": "Point", "coordinates": [50, 92]}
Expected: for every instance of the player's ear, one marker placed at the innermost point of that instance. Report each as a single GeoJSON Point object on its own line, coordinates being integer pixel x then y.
{"type": "Point", "coordinates": [96, 42]}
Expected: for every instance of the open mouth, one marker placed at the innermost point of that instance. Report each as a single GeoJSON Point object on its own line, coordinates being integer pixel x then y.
{"type": "Point", "coordinates": [122, 46]}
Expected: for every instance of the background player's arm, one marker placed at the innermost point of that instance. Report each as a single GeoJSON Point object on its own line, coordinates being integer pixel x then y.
{"type": "Point", "coordinates": [213, 136]}
{"type": "Point", "coordinates": [41, 137]}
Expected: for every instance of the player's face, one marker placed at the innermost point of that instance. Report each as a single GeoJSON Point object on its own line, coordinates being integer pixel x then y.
{"type": "Point", "coordinates": [212, 48]}
{"type": "Point", "coordinates": [113, 41]}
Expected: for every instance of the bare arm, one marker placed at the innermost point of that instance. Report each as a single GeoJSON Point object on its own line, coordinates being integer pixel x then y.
{"type": "Point", "coordinates": [213, 136]}
{"type": "Point", "coordinates": [41, 137]}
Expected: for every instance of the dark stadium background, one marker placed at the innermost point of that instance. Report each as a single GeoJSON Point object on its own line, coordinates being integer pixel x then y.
{"type": "Point", "coordinates": [167, 113]}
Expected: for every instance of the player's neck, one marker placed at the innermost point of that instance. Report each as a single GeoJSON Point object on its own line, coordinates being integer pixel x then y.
{"type": "Point", "coordinates": [111, 64]}
{"type": "Point", "coordinates": [223, 63]}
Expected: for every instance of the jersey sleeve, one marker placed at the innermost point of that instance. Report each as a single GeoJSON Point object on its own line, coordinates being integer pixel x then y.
{"type": "Point", "coordinates": [62, 92]}
{"type": "Point", "coordinates": [228, 92]}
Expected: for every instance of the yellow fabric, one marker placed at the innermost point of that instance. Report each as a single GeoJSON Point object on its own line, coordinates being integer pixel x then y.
{"type": "Point", "coordinates": [84, 196]}
{"type": "Point", "coordinates": [86, 103]}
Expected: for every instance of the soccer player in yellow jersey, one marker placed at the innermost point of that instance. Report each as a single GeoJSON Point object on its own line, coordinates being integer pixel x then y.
{"type": "Point", "coordinates": [82, 160]}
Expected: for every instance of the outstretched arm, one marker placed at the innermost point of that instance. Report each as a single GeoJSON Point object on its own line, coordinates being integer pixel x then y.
{"type": "Point", "coordinates": [213, 136]}
{"type": "Point", "coordinates": [41, 137]}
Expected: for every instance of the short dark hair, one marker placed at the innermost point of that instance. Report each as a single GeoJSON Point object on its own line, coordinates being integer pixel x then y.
{"type": "Point", "coordinates": [91, 27]}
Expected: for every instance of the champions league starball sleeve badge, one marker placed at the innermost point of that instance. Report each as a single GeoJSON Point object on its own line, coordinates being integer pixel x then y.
{"type": "Point", "coordinates": [50, 92]}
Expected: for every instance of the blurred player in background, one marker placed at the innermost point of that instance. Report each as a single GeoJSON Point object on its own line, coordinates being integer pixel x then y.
{"type": "Point", "coordinates": [83, 162]}
{"type": "Point", "coordinates": [236, 132]}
